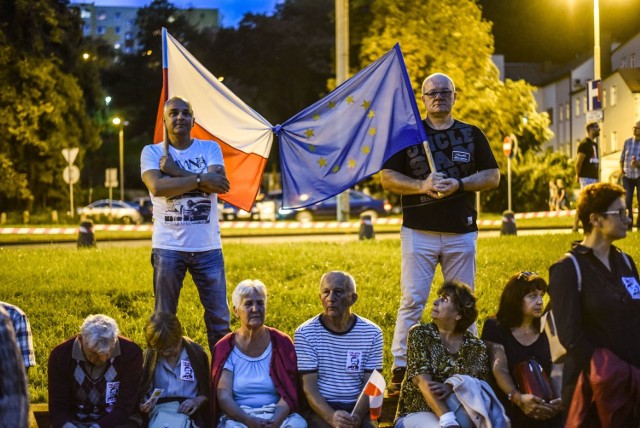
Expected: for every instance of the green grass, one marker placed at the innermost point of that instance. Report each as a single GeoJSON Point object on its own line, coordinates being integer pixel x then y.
{"type": "Point", "coordinates": [59, 287]}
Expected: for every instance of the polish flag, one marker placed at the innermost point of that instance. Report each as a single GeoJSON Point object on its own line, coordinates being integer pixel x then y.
{"type": "Point", "coordinates": [244, 136]}
{"type": "Point", "coordinates": [375, 390]}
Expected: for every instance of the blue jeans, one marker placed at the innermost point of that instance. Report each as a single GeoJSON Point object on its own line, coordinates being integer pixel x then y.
{"type": "Point", "coordinates": [207, 270]}
{"type": "Point", "coordinates": [631, 184]}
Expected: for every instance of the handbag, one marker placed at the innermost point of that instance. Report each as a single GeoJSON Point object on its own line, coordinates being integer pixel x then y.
{"type": "Point", "coordinates": [532, 379]}
{"type": "Point", "coordinates": [166, 415]}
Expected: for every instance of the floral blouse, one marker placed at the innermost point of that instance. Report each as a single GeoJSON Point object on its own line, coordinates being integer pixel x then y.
{"type": "Point", "coordinates": [427, 355]}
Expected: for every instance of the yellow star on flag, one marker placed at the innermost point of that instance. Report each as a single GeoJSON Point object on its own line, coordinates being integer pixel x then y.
{"type": "Point", "coordinates": [311, 147]}
{"type": "Point", "coordinates": [350, 100]}
{"type": "Point", "coordinates": [371, 114]}
{"type": "Point", "coordinates": [366, 150]}
{"type": "Point", "coordinates": [352, 163]}
{"type": "Point", "coordinates": [332, 105]}
{"type": "Point", "coordinates": [309, 133]}
{"type": "Point", "coordinates": [372, 131]}
{"type": "Point", "coordinates": [335, 169]}
{"type": "Point", "coordinates": [322, 162]}
{"type": "Point", "coordinates": [365, 104]}
{"type": "Point", "coordinates": [316, 116]}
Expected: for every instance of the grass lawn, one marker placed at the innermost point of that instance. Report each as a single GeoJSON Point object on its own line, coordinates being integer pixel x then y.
{"type": "Point", "coordinates": [59, 287]}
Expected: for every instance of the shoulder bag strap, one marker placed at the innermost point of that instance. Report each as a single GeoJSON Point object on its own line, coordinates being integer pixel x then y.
{"type": "Point", "coordinates": [578, 273]}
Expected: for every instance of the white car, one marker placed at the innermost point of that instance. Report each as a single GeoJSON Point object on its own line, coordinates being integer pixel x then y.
{"type": "Point", "coordinates": [111, 211]}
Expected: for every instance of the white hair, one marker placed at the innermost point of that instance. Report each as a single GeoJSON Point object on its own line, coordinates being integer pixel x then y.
{"type": "Point", "coordinates": [246, 288]}
{"type": "Point", "coordinates": [99, 332]}
{"type": "Point", "coordinates": [339, 277]}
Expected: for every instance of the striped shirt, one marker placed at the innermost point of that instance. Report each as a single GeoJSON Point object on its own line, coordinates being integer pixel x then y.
{"type": "Point", "coordinates": [23, 333]}
{"type": "Point", "coordinates": [340, 359]}
{"type": "Point", "coordinates": [630, 150]}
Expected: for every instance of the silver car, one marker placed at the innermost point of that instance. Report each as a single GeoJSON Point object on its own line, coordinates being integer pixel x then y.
{"type": "Point", "coordinates": [110, 210]}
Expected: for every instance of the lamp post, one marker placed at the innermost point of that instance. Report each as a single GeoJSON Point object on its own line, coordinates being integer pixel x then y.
{"type": "Point", "coordinates": [596, 40]}
{"type": "Point", "coordinates": [121, 124]}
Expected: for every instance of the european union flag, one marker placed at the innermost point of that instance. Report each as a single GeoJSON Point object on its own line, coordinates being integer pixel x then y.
{"type": "Point", "coordinates": [349, 134]}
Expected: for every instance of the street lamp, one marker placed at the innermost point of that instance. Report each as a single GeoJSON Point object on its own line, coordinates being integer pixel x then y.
{"type": "Point", "coordinates": [121, 124]}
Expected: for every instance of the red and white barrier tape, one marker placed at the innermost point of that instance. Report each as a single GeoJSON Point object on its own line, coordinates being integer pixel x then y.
{"type": "Point", "coordinates": [273, 225]}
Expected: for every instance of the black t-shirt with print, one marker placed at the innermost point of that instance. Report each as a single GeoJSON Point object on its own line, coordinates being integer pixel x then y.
{"type": "Point", "coordinates": [591, 162]}
{"type": "Point", "coordinates": [459, 151]}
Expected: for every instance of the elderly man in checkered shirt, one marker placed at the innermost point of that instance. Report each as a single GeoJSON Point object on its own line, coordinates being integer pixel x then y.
{"type": "Point", "coordinates": [630, 170]}
{"type": "Point", "coordinates": [22, 329]}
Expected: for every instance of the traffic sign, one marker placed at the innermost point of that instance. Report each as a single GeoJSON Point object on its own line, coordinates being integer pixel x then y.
{"type": "Point", "coordinates": [71, 174]}
{"type": "Point", "coordinates": [506, 146]}
{"type": "Point", "coordinates": [595, 116]}
{"type": "Point", "coordinates": [111, 177]}
{"type": "Point", "coordinates": [70, 154]}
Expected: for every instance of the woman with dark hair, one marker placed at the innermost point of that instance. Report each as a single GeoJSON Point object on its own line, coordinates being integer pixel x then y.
{"type": "Point", "coordinates": [436, 352]}
{"type": "Point", "coordinates": [175, 370]}
{"type": "Point", "coordinates": [595, 294]}
{"type": "Point", "coordinates": [513, 336]}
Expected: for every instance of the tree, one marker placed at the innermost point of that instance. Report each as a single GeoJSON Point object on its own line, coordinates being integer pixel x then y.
{"type": "Point", "coordinates": [42, 104]}
{"type": "Point", "coordinates": [450, 36]}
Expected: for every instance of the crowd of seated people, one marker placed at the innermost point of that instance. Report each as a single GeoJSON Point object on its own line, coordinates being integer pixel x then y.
{"type": "Point", "coordinates": [260, 377]}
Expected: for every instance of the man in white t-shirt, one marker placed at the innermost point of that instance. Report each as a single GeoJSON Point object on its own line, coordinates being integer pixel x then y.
{"type": "Point", "coordinates": [184, 176]}
{"type": "Point", "coordinates": [337, 351]}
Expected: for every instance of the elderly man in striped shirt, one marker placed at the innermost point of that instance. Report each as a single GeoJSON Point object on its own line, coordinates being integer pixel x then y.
{"type": "Point", "coordinates": [337, 351]}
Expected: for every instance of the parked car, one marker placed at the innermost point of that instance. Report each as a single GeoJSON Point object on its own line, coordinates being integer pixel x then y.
{"type": "Point", "coordinates": [360, 205]}
{"type": "Point", "coordinates": [145, 207]}
{"type": "Point", "coordinates": [228, 212]}
{"type": "Point", "coordinates": [111, 210]}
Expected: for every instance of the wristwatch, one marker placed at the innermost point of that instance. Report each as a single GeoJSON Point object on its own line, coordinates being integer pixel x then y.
{"type": "Point", "coordinates": [198, 180]}
{"type": "Point", "coordinates": [460, 185]}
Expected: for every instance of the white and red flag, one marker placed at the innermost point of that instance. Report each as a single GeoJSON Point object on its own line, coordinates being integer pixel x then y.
{"type": "Point", "coordinates": [375, 390]}
{"type": "Point", "coordinates": [245, 137]}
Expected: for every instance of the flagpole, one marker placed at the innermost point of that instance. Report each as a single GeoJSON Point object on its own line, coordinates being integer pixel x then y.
{"type": "Point", "coordinates": [353, 412]}
{"type": "Point", "coordinates": [427, 152]}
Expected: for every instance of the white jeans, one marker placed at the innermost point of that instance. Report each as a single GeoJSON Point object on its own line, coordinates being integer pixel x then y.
{"type": "Point", "coordinates": [421, 253]}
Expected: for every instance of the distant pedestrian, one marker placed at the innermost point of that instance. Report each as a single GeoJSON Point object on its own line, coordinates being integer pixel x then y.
{"type": "Point", "coordinates": [561, 195]}
{"type": "Point", "coordinates": [553, 195]}
{"type": "Point", "coordinates": [630, 171]}
{"type": "Point", "coordinates": [183, 174]}
{"type": "Point", "coordinates": [588, 161]}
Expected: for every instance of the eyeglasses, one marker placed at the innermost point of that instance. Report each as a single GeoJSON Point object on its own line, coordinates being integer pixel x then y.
{"type": "Point", "coordinates": [623, 213]}
{"type": "Point", "coordinates": [526, 275]}
{"type": "Point", "coordinates": [165, 350]}
{"type": "Point", "coordinates": [445, 93]}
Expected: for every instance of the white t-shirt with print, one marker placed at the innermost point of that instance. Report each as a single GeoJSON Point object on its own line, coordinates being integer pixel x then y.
{"type": "Point", "coordinates": [187, 222]}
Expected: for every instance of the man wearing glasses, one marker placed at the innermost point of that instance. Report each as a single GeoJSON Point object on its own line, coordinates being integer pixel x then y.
{"type": "Point", "coordinates": [630, 171]}
{"type": "Point", "coordinates": [588, 161]}
{"type": "Point", "coordinates": [439, 215]}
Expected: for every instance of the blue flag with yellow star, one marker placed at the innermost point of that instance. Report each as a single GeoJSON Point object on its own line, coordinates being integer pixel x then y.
{"type": "Point", "coordinates": [348, 135]}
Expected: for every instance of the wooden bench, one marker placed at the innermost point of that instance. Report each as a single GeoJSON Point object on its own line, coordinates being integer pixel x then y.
{"type": "Point", "coordinates": [40, 413]}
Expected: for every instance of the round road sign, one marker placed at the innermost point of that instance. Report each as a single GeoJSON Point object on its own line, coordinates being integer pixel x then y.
{"type": "Point", "coordinates": [71, 174]}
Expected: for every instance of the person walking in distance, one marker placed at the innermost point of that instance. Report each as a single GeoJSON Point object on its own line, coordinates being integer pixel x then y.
{"type": "Point", "coordinates": [588, 161]}
{"type": "Point", "coordinates": [630, 171]}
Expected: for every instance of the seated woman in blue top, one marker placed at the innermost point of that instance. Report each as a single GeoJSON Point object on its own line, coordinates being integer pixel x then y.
{"type": "Point", "coordinates": [179, 367]}
{"type": "Point", "coordinates": [254, 369]}
{"type": "Point", "coordinates": [514, 336]}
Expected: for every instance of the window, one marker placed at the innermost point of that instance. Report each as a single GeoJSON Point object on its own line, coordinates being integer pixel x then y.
{"type": "Point", "coordinates": [128, 35]}
{"type": "Point", "coordinates": [585, 107]}
{"type": "Point", "coordinates": [117, 15]}
{"type": "Point", "coordinates": [117, 30]}
{"type": "Point", "coordinates": [577, 107]}
{"type": "Point", "coordinates": [101, 15]}
{"type": "Point", "coordinates": [85, 14]}
{"type": "Point", "coordinates": [100, 29]}
{"type": "Point", "coordinates": [624, 62]}
{"type": "Point", "coordinates": [632, 60]}
{"type": "Point", "coordinates": [614, 95]}
{"type": "Point", "coordinates": [560, 114]}
{"type": "Point", "coordinates": [604, 98]}
{"type": "Point", "coordinates": [614, 141]}
{"type": "Point", "coordinates": [567, 111]}
{"type": "Point", "coordinates": [550, 113]}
